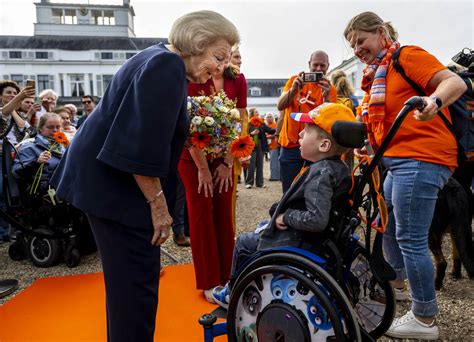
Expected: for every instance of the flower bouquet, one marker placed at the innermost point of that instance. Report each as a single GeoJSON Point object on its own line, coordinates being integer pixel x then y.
{"type": "Point", "coordinates": [215, 126]}
{"type": "Point", "coordinates": [60, 139]}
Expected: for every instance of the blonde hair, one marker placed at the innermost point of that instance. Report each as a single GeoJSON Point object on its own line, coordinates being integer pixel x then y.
{"type": "Point", "coordinates": [343, 86]}
{"type": "Point", "coordinates": [192, 33]}
{"type": "Point", "coordinates": [370, 22]}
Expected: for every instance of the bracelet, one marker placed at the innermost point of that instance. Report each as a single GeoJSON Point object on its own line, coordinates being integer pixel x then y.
{"type": "Point", "coordinates": [155, 197]}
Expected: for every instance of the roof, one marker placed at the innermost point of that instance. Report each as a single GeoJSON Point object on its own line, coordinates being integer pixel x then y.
{"type": "Point", "coordinates": [77, 43]}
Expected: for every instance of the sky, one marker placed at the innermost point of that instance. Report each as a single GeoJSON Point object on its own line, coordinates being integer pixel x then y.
{"type": "Point", "coordinates": [277, 37]}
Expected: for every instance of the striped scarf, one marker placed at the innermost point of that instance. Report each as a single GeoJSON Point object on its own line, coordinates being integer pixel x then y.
{"type": "Point", "coordinates": [374, 83]}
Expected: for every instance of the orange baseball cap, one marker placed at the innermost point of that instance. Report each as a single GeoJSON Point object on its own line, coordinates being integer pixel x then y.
{"type": "Point", "coordinates": [325, 115]}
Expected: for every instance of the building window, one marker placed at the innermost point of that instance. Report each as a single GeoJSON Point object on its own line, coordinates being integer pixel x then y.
{"type": "Point", "coordinates": [43, 82]}
{"type": "Point", "coordinates": [15, 54]}
{"type": "Point", "coordinates": [69, 17]}
{"type": "Point", "coordinates": [255, 91]}
{"type": "Point", "coordinates": [18, 79]}
{"type": "Point", "coordinates": [280, 90]}
{"type": "Point", "coordinates": [103, 17]}
{"type": "Point", "coordinates": [106, 55]}
{"type": "Point", "coordinates": [129, 55]}
{"type": "Point", "coordinates": [102, 83]}
{"type": "Point", "coordinates": [77, 85]}
{"type": "Point", "coordinates": [41, 55]}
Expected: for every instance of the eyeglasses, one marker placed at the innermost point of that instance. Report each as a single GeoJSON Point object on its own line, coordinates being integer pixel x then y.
{"type": "Point", "coordinates": [86, 102]}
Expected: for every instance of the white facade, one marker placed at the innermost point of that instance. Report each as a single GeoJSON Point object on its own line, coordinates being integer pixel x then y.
{"type": "Point", "coordinates": [69, 73]}
{"type": "Point", "coordinates": [84, 19]}
{"type": "Point", "coordinates": [75, 50]}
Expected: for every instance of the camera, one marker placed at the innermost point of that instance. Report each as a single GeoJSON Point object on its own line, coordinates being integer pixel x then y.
{"type": "Point", "coordinates": [313, 77]}
{"type": "Point", "coordinates": [464, 58]}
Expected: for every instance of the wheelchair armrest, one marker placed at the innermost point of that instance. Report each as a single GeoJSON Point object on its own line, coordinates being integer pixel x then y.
{"type": "Point", "coordinates": [349, 134]}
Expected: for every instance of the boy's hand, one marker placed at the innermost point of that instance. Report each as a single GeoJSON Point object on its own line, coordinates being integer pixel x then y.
{"type": "Point", "coordinates": [280, 224]}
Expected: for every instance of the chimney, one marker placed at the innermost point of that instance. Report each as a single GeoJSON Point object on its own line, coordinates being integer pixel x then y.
{"type": "Point", "coordinates": [47, 1]}
{"type": "Point", "coordinates": [126, 3]}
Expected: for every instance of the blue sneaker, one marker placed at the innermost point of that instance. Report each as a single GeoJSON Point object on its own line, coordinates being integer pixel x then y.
{"type": "Point", "coordinates": [221, 295]}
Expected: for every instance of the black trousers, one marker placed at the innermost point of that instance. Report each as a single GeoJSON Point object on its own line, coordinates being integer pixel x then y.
{"type": "Point", "coordinates": [131, 268]}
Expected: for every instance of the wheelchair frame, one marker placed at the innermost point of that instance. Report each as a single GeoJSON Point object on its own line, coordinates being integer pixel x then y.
{"type": "Point", "coordinates": [42, 242]}
{"type": "Point", "coordinates": [333, 289]}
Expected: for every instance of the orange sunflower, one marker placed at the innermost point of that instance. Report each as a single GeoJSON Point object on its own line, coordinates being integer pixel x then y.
{"type": "Point", "coordinates": [61, 138]}
{"type": "Point", "coordinates": [242, 147]}
{"type": "Point", "coordinates": [200, 140]}
{"type": "Point", "coordinates": [256, 121]}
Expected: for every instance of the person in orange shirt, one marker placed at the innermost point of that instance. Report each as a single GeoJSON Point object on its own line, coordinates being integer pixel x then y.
{"type": "Point", "coordinates": [273, 148]}
{"type": "Point", "coordinates": [419, 160]}
{"type": "Point", "coordinates": [300, 96]}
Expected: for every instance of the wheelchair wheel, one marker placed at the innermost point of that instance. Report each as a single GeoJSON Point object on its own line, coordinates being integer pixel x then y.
{"type": "Point", "coordinates": [72, 257]}
{"type": "Point", "coordinates": [374, 301]}
{"type": "Point", "coordinates": [17, 251]}
{"type": "Point", "coordinates": [318, 276]}
{"type": "Point", "coordinates": [43, 252]}
{"type": "Point", "coordinates": [279, 303]}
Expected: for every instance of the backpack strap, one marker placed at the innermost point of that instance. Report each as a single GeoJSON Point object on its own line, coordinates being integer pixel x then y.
{"type": "Point", "coordinates": [396, 64]}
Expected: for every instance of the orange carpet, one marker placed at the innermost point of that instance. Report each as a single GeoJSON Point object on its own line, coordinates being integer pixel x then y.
{"type": "Point", "coordinates": [72, 308]}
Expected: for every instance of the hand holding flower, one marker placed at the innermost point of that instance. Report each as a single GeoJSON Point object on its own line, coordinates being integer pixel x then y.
{"type": "Point", "coordinates": [44, 157]}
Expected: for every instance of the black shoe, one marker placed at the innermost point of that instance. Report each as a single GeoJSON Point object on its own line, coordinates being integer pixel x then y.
{"type": "Point", "coordinates": [181, 240]}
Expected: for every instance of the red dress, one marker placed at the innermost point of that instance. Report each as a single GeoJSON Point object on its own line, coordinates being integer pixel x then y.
{"type": "Point", "coordinates": [210, 219]}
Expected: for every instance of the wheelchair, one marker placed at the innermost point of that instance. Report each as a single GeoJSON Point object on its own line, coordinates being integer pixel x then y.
{"type": "Point", "coordinates": [47, 230]}
{"type": "Point", "coordinates": [340, 291]}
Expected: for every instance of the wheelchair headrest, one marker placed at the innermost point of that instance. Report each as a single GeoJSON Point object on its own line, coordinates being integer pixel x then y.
{"type": "Point", "coordinates": [349, 134]}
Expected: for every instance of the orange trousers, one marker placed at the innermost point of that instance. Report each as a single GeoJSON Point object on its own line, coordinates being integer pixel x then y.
{"type": "Point", "coordinates": [211, 227]}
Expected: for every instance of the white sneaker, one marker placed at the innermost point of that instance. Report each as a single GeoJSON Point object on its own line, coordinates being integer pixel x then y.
{"type": "Point", "coordinates": [409, 326]}
{"type": "Point", "coordinates": [248, 186]}
{"type": "Point", "coordinates": [401, 294]}
{"type": "Point", "coordinates": [208, 296]}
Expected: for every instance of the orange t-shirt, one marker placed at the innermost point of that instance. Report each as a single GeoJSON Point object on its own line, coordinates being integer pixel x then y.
{"type": "Point", "coordinates": [273, 143]}
{"type": "Point", "coordinates": [429, 141]}
{"type": "Point", "coordinates": [311, 92]}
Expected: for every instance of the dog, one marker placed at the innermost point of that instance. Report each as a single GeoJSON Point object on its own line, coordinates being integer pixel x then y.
{"type": "Point", "coordinates": [452, 214]}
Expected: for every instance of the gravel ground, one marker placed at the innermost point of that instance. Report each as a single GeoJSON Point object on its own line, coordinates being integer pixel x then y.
{"type": "Point", "coordinates": [456, 300]}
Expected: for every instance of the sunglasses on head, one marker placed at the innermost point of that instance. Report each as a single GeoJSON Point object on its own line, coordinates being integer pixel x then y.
{"type": "Point", "coordinates": [86, 102]}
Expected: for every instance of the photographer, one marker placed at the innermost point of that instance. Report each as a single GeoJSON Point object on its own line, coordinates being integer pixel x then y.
{"type": "Point", "coordinates": [302, 93]}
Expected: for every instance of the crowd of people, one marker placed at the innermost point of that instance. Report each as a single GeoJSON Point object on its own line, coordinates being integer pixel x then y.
{"type": "Point", "coordinates": [133, 192]}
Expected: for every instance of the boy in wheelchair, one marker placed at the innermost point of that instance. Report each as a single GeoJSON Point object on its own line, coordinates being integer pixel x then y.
{"type": "Point", "coordinates": [304, 210]}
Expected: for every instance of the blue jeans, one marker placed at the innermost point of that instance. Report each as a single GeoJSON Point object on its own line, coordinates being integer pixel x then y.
{"type": "Point", "coordinates": [290, 165]}
{"type": "Point", "coordinates": [274, 164]}
{"type": "Point", "coordinates": [411, 189]}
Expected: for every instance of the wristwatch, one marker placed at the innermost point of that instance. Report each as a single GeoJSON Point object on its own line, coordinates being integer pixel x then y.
{"type": "Point", "coordinates": [229, 165]}
{"type": "Point", "coordinates": [438, 101]}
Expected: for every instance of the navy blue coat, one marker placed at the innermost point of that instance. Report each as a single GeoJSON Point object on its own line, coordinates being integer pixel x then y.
{"type": "Point", "coordinates": [138, 127]}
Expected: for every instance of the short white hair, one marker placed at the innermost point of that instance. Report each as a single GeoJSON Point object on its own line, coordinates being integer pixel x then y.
{"type": "Point", "coordinates": [48, 92]}
{"type": "Point", "coordinates": [192, 33]}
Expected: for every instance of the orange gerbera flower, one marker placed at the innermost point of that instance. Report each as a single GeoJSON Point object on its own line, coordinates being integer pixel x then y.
{"type": "Point", "coordinates": [242, 147]}
{"type": "Point", "coordinates": [256, 121]}
{"type": "Point", "coordinates": [200, 140]}
{"type": "Point", "coordinates": [61, 138]}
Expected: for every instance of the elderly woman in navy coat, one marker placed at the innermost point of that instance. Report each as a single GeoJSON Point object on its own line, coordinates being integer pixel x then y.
{"type": "Point", "coordinates": [120, 168]}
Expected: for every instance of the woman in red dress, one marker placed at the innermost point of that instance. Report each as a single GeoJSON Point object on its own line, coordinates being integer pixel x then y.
{"type": "Point", "coordinates": [209, 187]}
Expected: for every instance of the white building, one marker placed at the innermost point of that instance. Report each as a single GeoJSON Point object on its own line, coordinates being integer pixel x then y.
{"type": "Point", "coordinates": [75, 50]}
